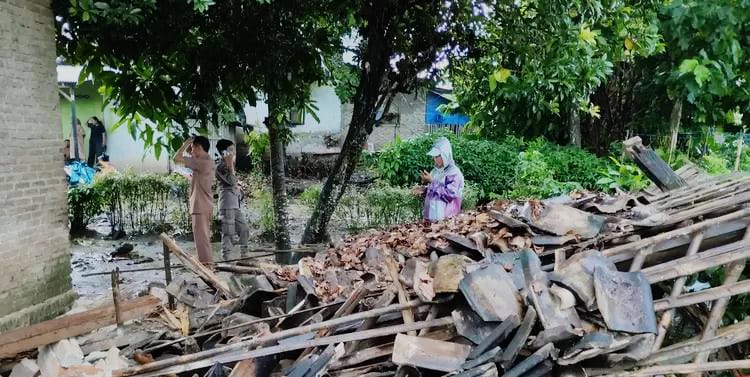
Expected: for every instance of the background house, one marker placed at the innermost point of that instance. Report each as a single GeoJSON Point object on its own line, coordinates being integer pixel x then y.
{"type": "Point", "coordinates": [408, 116]}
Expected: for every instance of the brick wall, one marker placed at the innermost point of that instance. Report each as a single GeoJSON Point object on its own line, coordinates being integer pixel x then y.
{"type": "Point", "coordinates": [34, 247]}
{"type": "Point", "coordinates": [410, 108]}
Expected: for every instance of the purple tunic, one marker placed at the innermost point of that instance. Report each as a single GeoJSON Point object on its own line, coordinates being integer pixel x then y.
{"type": "Point", "coordinates": [443, 197]}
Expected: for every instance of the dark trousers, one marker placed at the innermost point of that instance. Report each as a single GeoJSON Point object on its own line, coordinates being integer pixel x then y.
{"type": "Point", "coordinates": [95, 150]}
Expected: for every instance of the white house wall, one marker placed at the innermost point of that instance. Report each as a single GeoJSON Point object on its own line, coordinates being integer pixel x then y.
{"type": "Point", "coordinates": [126, 153]}
{"type": "Point", "coordinates": [329, 112]}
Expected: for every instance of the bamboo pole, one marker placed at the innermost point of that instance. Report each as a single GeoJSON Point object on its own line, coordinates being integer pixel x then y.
{"type": "Point", "coordinates": [247, 344]}
{"type": "Point", "coordinates": [730, 335]}
{"type": "Point", "coordinates": [247, 353]}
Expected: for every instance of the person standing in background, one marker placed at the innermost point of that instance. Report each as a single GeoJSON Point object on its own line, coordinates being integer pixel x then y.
{"type": "Point", "coordinates": [201, 192]}
{"type": "Point", "coordinates": [232, 219]}
{"type": "Point", "coordinates": [445, 184]}
{"type": "Point", "coordinates": [97, 140]}
{"type": "Point", "coordinates": [80, 137]}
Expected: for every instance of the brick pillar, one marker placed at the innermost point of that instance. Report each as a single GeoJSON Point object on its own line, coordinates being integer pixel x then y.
{"type": "Point", "coordinates": [34, 247]}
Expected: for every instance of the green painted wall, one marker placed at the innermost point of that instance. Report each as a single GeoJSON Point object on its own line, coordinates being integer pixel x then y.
{"type": "Point", "coordinates": [88, 104]}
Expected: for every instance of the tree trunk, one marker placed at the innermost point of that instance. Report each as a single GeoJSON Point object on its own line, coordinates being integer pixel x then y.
{"type": "Point", "coordinates": [574, 127]}
{"type": "Point", "coordinates": [278, 183]}
{"type": "Point", "coordinates": [674, 126]}
{"type": "Point", "coordinates": [367, 99]}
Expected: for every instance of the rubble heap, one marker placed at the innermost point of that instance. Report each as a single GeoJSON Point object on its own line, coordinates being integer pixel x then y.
{"type": "Point", "coordinates": [584, 284]}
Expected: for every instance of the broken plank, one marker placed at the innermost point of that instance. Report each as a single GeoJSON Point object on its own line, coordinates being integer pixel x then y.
{"type": "Point", "coordinates": [680, 369]}
{"type": "Point", "coordinates": [238, 269]}
{"type": "Point", "coordinates": [429, 353]}
{"type": "Point", "coordinates": [385, 299]}
{"type": "Point", "coordinates": [47, 332]}
{"type": "Point", "coordinates": [197, 267]}
{"type": "Point", "coordinates": [268, 339]}
{"type": "Point", "coordinates": [241, 351]}
{"type": "Point", "coordinates": [652, 165]}
{"type": "Point", "coordinates": [684, 266]}
{"type": "Point", "coordinates": [698, 297]}
{"type": "Point", "coordinates": [245, 368]}
{"type": "Point", "coordinates": [728, 336]}
{"type": "Point", "coordinates": [496, 336]}
{"type": "Point", "coordinates": [402, 296]}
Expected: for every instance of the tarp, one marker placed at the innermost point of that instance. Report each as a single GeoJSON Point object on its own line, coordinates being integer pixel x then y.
{"type": "Point", "coordinates": [78, 173]}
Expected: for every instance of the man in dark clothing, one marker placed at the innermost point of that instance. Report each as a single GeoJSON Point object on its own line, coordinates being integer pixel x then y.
{"type": "Point", "coordinates": [232, 220]}
{"type": "Point", "coordinates": [97, 140]}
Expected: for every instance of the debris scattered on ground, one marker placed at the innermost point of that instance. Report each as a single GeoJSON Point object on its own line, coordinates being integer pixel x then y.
{"type": "Point", "coordinates": [578, 283]}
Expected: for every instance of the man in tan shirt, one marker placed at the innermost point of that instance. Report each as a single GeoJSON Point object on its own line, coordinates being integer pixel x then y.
{"type": "Point", "coordinates": [201, 193]}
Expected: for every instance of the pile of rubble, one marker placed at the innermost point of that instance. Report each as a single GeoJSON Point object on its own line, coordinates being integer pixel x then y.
{"type": "Point", "coordinates": [585, 284]}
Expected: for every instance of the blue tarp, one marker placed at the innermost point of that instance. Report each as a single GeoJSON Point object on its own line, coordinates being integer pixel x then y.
{"type": "Point", "coordinates": [79, 173]}
{"type": "Point", "coordinates": [433, 116]}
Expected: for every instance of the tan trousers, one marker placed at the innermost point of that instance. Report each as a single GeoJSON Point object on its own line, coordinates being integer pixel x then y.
{"type": "Point", "coordinates": [202, 236]}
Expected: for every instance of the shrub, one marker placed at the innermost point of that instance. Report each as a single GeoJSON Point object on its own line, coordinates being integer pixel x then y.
{"type": "Point", "coordinates": [622, 176]}
{"type": "Point", "coordinates": [84, 202]}
{"type": "Point", "coordinates": [534, 179]}
{"type": "Point", "coordinates": [492, 166]}
{"type": "Point", "coordinates": [487, 164]}
{"type": "Point", "coordinates": [263, 205]}
{"type": "Point", "coordinates": [714, 164]}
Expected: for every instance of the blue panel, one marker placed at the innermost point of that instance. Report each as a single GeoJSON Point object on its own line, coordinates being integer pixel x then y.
{"type": "Point", "coordinates": [433, 116]}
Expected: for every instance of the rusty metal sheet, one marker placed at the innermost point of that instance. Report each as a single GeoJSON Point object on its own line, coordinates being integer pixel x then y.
{"type": "Point", "coordinates": [429, 353]}
{"type": "Point", "coordinates": [577, 274]}
{"type": "Point", "coordinates": [625, 301]}
{"type": "Point", "coordinates": [562, 220]}
{"type": "Point", "coordinates": [491, 293]}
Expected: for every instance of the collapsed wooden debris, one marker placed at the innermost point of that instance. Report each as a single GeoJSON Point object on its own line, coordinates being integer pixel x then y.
{"type": "Point", "coordinates": [586, 283]}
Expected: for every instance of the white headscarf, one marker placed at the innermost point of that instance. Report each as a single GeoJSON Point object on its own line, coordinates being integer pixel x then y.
{"type": "Point", "coordinates": [442, 148]}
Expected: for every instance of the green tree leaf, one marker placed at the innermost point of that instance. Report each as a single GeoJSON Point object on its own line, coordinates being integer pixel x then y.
{"type": "Point", "coordinates": [702, 74]}
{"type": "Point", "coordinates": [688, 65]}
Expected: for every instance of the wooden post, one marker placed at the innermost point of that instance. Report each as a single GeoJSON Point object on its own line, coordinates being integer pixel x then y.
{"type": "Point", "coordinates": [116, 295]}
{"type": "Point", "coordinates": [168, 274]}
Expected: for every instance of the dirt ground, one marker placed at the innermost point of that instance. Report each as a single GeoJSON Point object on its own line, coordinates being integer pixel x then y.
{"type": "Point", "coordinates": [92, 254]}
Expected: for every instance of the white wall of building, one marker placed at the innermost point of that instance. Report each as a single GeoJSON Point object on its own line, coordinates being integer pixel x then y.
{"type": "Point", "coordinates": [329, 113]}
{"type": "Point", "coordinates": [126, 153]}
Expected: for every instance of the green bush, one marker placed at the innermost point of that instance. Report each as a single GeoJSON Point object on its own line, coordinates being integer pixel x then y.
{"type": "Point", "coordinates": [534, 179]}
{"type": "Point", "coordinates": [84, 202]}
{"type": "Point", "coordinates": [487, 164]}
{"type": "Point", "coordinates": [714, 164]}
{"type": "Point", "coordinates": [132, 202]}
{"type": "Point", "coordinates": [492, 166]}
{"type": "Point", "coordinates": [622, 176]}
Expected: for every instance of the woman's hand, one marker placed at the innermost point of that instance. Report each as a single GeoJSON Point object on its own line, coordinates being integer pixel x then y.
{"type": "Point", "coordinates": [418, 191]}
{"type": "Point", "coordinates": [426, 176]}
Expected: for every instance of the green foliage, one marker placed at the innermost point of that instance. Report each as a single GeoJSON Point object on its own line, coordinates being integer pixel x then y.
{"type": "Point", "coordinates": [258, 144]}
{"type": "Point", "coordinates": [309, 197]}
{"type": "Point", "coordinates": [140, 203]}
{"type": "Point", "coordinates": [534, 178]}
{"type": "Point", "coordinates": [487, 164]}
{"type": "Point", "coordinates": [714, 164]}
{"type": "Point", "coordinates": [84, 202]}
{"type": "Point", "coordinates": [494, 166]}
{"type": "Point", "coordinates": [262, 204]}
{"type": "Point", "coordinates": [538, 61]}
{"type": "Point", "coordinates": [622, 176]}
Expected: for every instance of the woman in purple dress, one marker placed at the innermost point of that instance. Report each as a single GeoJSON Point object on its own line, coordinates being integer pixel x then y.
{"type": "Point", "coordinates": [445, 184]}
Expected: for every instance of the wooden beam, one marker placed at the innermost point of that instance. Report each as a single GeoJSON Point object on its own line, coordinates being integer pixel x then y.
{"type": "Point", "coordinates": [733, 252]}
{"type": "Point", "coordinates": [706, 295]}
{"type": "Point", "coordinates": [243, 353]}
{"type": "Point", "coordinates": [728, 336]}
{"type": "Point", "coordinates": [47, 332]}
{"type": "Point", "coordinates": [252, 342]}
{"type": "Point", "coordinates": [407, 314]}
{"type": "Point", "coordinates": [245, 368]}
{"type": "Point", "coordinates": [666, 318]}
{"type": "Point", "coordinates": [197, 267]}
{"type": "Point", "coordinates": [678, 369]}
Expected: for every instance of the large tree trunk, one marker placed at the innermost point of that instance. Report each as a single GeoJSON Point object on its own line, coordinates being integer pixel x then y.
{"type": "Point", "coordinates": [574, 127]}
{"type": "Point", "coordinates": [278, 184]}
{"type": "Point", "coordinates": [674, 126]}
{"type": "Point", "coordinates": [367, 99]}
